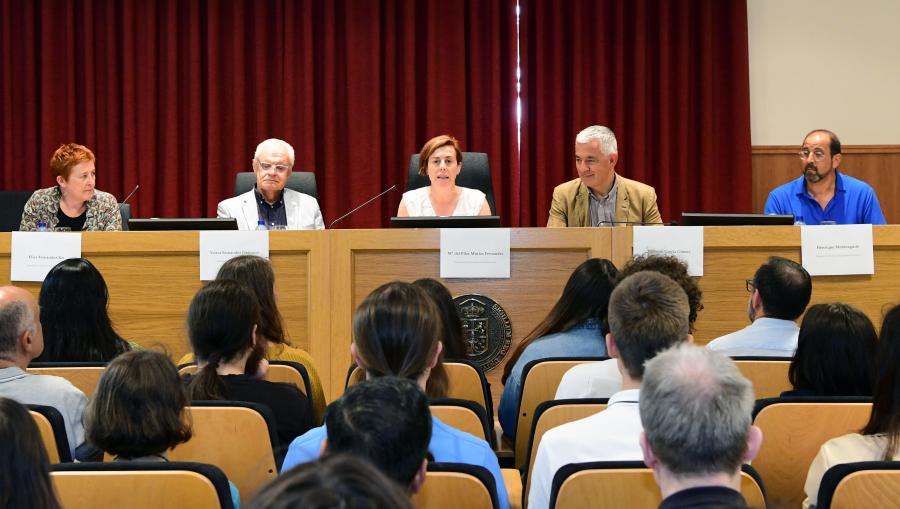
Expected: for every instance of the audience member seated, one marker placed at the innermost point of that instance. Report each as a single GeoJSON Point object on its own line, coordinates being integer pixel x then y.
{"type": "Point", "coordinates": [74, 301]}
{"type": "Point", "coordinates": [138, 412]}
{"type": "Point", "coordinates": [879, 440]}
{"type": "Point", "coordinates": [21, 340]}
{"type": "Point", "coordinates": [779, 293]}
{"type": "Point", "coordinates": [222, 323]}
{"type": "Point", "coordinates": [835, 353]}
{"type": "Point", "coordinates": [696, 410]}
{"type": "Point", "coordinates": [451, 338]}
{"type": "Point", "coordinates": [441, 161]}
{"type": "Point", "coordinates": [335, 481]}
{"type": "Point", "coordinates": [602, 379]}
{"type": "Point", "coordinates": [24, 467]}
{"type": "Point", "coordinates": [73, 203]}
{"type": "Point", "coordinates": [648, 312]}
{"type": "Point", "coordinates": [575, 327]}
{"type": "Point", "coordinates": [396, 332]}
{"type": "Point", "coordinates": [386, 421]}
{"type": "Point", "coordinates": [256, 275]}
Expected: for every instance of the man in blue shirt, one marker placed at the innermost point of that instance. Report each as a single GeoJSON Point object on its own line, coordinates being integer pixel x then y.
{"type": "Point", "coordinates": [823, 193]}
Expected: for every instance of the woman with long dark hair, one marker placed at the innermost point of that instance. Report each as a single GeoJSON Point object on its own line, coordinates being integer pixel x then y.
{"type": "Point", "coordinates": [451, 335]}
{"type": "Point", "coordinates": [396, 332]}
{"type": "Point", "coordinates": [256, 275]}
{"type": "Point", "coordinates": [575, 327]}
{"type": "Point", "coordinates": [24, 467]}
{"type": "Point", "coordinates": [222, 326]}
{"type": "Point", "coordinates": [835, 353]}
{"type": "Point", "coordinates": [879, 440]}
{"type": "Point", "coordinates": [74, 301]}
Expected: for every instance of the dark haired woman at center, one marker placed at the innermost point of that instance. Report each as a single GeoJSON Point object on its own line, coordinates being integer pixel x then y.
{"type": "Point", "coordinates": [222, 327]}
{"type": "Point", "coordinates": [575, 327]}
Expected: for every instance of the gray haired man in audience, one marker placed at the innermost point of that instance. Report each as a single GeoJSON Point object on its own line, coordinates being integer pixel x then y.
{"type": "Point", "coordinates": [22, 339]}
{"type": "Point", "coordinates": [696, 410]}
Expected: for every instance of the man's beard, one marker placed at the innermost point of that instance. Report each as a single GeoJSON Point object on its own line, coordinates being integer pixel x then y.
{"type": "Point", "coordinates": [811, 173]}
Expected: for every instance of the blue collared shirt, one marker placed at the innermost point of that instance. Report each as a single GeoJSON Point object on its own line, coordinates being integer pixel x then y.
{"type": "Point", "coordinates": [448, 445]}
{"type": "Point", "coordinates": [854, 202]}
{"type": "Point", "coordinates": [274, 214]}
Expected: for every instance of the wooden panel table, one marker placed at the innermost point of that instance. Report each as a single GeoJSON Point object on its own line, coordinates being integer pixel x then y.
{"type": "Point", "coordinates": [732, 255]}
{"type": "Point", "coordinates": [152, 277]}
{"type": "Point", "coordinates": [541, 262]}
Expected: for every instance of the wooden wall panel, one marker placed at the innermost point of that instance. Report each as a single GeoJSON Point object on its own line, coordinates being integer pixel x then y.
{"type": "Point", "coordinates": [878, 165]}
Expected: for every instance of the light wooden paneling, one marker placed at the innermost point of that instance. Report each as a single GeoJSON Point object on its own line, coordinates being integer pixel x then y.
{"type": "Point", "coordinates": [878, 165]}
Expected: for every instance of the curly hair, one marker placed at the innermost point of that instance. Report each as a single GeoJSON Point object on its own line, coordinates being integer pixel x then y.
{"type": "Point", "coordinates": [675, 269]}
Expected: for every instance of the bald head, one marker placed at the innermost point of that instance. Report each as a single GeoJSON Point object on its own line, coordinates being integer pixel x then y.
{"type": "Point", "coordinates": [21, 337]}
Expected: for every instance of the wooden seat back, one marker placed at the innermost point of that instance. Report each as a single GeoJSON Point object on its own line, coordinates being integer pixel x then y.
{"type": "Point", "coordinates": [769, 376]}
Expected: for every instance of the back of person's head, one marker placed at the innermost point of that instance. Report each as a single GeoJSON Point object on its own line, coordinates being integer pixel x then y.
{"type": "Point", "coordinates": [396, 331]}
{"type": "Point", "coordinates": [885, 417]}
{"type": "Point", "coordinates": [835, 352]}
{"type": "Point", "coordinates": [139, 407]}
{"type": "Point", "coordinates": [696, 411]}
{"type": "Point", "coordinates": [385, 420]}
{"type": "Point", "coordinates": [16, 317]}
{"type": "Point", "coordinates": [24, 466]}
{"type": "Point", "coordinates": [220, 323]}
{"type": "Point", "coordinates": [74, 300]}
{"type": "Point", "coordinates": [677, 270]}
{"type": "Point", "coordinates": [648, 312]}
{"type": "Point", "coordinates": [255, 274]}
{"type": "Point", "coordinates": [452, 337]}
{"type": "Point", "coordinates": [585, 296]}
{"type": "Point", "coordinates": [784, 287]}
{"type": "Point", "coordinates": [334, 481]}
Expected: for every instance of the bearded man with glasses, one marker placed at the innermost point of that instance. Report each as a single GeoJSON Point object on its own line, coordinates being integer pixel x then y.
{"type": "Point", "coordinates": [822, 194]}
{"type": "Point", "coordinates": [269, 201]}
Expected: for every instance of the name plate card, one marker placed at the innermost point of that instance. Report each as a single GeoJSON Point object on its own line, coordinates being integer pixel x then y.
{"type": "Point", "coordinates": [837, 250]}
{"type": "Point", "coordinates": [217, 247]}
{"type": "Point", "coordinates": [475, 252]}
{"type": "Point", "coordinates": [33, 254]}
{"type": "Point", "coordinates": [682, 242]}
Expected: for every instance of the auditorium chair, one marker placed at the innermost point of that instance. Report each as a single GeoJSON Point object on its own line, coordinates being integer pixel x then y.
{"type": "Point", "coordinates": [141, 485]}
{"type": "Point", "coordinates": [475, 174]}
{"type": "Point", "coordinates": [300, 181]}
{"type": "Point", "coordinates": [860, 484]}
{"type": "Point", "coordinates": [540, 379]}
{"type": "Point", "coordinates": [464, 415]}
{"type": "Point", "coordinates": [551, 414]}
{"type": "Point", "coordinates": [769, 375]}
{"type": "Point", "coordinates": [794, 428]}
{"type": "Point", "coordinates": [52, 428]}
{"type": "Point", "coordinates": [287, 372]}
{"type": "Point", "coordinates": [236, 436]}
{"type": "Point", "coordinates": [83, 375]}
{"type": "Point", "coordinates": [616, 484]}
{"type": "Point", "coordinates": [12, 203]}
{"type": "Point", "coordinates": [455, 485]}
{"type": "Point", "coordinates": [466, 381]}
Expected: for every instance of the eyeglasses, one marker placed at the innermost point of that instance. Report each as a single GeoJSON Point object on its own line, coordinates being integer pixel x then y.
{"type": "Point", "coordinates": [818, 154]}
{"type": "Point", "coordinates": [279, 168]}
{"type": "Point", "coordinates": [750, 285]}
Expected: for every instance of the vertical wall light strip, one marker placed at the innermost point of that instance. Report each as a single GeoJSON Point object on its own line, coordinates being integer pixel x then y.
{"type": "Point", "coordinates": [518, 107]}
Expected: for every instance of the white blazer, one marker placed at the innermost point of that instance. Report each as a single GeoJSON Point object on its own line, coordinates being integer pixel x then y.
{"type": "Point", "coordinates": [302, 211]}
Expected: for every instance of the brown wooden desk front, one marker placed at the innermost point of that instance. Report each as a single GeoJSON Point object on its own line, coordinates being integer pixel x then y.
{"type": "Point", "coordinates": [323, 275]}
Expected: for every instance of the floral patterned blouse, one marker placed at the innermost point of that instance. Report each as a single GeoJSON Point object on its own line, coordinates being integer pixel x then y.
{"type": "Point", "coordinates": [102, 211]}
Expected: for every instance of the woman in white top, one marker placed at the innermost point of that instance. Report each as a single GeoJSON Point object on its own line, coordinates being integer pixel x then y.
{"type": "Point", "coordinates": [879, 440]}
{"type": "Point", "coordinates": [441, 161]}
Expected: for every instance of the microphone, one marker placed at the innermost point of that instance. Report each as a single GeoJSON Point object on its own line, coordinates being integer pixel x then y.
{"type": "Point", "coordinates": [131, 194]}
{"type": "Point", "coordinates": [370, 200]}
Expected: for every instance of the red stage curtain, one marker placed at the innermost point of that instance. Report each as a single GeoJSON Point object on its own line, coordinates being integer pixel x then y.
{"type": "Point", "coordinates": [669, 77]}
{"type": "Point", "coordinates": [175, 95]}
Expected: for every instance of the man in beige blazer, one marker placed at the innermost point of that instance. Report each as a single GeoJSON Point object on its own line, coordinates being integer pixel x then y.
{"type": "Point", "coordinates": [599, 196]}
